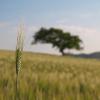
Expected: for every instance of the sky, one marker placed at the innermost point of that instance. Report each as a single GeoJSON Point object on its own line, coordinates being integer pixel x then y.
{"type": "Point", "coordinates": [80, 17]}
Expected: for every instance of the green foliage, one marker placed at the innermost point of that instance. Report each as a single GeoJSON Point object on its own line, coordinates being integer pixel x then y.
{"type": "Point", "coordinates": [47, 77]}
{"type": "Point", "coordinates": [57, 38]}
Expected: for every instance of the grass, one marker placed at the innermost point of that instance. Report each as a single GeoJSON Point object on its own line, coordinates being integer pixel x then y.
{"type": "Point", "coordinates": [48, 77]}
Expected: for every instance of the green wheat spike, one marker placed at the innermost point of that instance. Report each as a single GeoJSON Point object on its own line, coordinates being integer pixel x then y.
{"type": "Point", "coordinates": [19, 50]}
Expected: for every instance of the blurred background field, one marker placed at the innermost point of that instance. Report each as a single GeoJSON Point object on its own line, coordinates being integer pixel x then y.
{"type": "Point", "coordinates": [49, 77]}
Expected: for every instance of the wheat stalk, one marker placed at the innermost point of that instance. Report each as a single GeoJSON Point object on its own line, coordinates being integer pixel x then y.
{"type": "Point", "coordinates": [19, 50]}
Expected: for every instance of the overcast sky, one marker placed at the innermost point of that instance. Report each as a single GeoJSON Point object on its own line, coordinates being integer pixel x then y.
{"type": "Point", "coordinates": [80, 17]}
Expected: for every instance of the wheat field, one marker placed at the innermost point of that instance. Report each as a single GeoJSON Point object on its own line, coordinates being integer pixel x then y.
{"type": "Point", "coordinates": [49, 77]}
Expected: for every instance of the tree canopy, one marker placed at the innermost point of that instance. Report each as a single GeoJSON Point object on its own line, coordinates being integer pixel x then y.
{"type": "Point", "coordinates": [58, 38]}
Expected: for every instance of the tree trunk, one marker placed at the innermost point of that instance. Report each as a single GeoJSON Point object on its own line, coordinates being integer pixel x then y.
{"type": "Point", "coordinates": [62, 52]}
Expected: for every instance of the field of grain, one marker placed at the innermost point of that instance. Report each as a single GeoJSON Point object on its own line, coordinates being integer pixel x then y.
{"type": "Point", "coordinates": [48, 77]}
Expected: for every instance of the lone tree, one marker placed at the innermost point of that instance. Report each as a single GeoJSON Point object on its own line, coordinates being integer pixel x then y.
{"type": "Point", "coordinates": [58, 38]}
